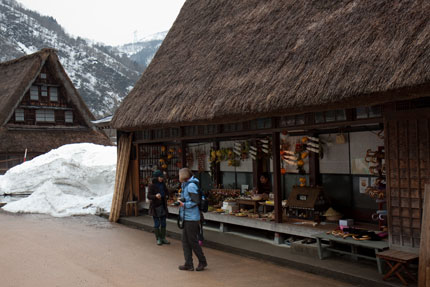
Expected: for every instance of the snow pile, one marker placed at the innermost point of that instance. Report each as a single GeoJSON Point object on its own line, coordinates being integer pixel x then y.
{"type": "Point", "coordinates": [74, 179]}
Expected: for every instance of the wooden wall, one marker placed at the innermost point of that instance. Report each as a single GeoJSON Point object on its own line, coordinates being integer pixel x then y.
{"type": "Point", "coordinates": [407, 142]}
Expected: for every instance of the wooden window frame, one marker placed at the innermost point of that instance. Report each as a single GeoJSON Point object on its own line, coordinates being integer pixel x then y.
{"type": "Point", "coordinates": [51, 89]}
{"type": "Point", "coordinates": [18, 118]}
{"type": "Point", "coordinates": [44, 91]}
{"type": "Point", "coordinates": [45, 116]}
{"type": "Point", "coordinates": [34, 97]}
{"type": "Point", "coordinates": [66, 117]}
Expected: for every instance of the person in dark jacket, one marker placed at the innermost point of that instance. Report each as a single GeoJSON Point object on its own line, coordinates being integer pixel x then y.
{"type": "Point", "coordinates": [189, 212]}
{"type": "Point", "coordinates": [265, 186]}
{"type": "Point", "coordinates": [158, 194]}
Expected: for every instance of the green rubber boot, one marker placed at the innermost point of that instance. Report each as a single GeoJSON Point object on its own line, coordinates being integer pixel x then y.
{"type": "Point", "coordinates": [163, 236]}
{"type": "Point", "coordinates": [158, 236]}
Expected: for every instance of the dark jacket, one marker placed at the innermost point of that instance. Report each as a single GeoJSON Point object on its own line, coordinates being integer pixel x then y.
{"type": "Point", "coordinates": [155, 202]}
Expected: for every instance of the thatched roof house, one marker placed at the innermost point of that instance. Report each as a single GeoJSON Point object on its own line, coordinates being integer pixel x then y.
{"type": "Point", "coordinates": [233, 60]}
{"type": "Point", "coordinates": [41, 109]}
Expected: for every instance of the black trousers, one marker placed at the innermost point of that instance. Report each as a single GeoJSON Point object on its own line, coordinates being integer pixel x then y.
{"type": "Point", "coordinates": [190, 242]}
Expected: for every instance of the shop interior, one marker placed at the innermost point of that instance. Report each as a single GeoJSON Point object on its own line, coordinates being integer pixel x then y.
{"type": "Point", "coordinates": [349, 184]}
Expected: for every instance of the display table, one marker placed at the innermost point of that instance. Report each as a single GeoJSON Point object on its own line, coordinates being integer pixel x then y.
{"type": "Point", "coordinates": [377, 246]}
{"type": "Point", "coordinates": [265, 204]}
{"type": "Point", "coordinates": [249, 202]}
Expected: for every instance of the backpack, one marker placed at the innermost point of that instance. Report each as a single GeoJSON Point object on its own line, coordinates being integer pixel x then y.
{"type": "Point", "coordinates": [204, 203]}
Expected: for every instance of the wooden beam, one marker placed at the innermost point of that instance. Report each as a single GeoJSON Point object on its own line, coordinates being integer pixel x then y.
{"type": "Point", "coordinates": [217, 175]}
{"type": "Point", "coordinates": [277, 176]}
{"type": "Point", "coordinates": [351, 126]}
{"type": "Point", "coordinates": [256, 169]}
{"type": "Point", "coordinates": [184, 154]}
{"type": "Point", "coordinates": [314, 167]}
{"type": "Point", "coordinates": [135, 173]}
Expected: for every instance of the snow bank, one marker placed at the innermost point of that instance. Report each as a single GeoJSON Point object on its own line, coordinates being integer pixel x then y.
{"type": "Point", "coordinates": [74, 179]}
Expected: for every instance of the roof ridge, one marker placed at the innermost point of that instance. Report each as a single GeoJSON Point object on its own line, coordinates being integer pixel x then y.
{"type": "Point", "coordinates": [41, 53]}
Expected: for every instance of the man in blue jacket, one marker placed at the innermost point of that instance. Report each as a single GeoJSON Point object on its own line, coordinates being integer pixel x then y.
{"type": "Point", "coordinates": [189, 212]}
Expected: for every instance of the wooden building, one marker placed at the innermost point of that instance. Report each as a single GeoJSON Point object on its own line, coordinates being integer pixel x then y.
{"type": "Point", "coordinates": [256, 70]}
{"type": "Point", "coordinates": [40, 109]}
{"type": "Point", "coordinates": [104, 125]}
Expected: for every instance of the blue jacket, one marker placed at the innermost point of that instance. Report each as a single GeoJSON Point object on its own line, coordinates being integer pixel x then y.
{"type": "Point", "coordinates": [190, 198]}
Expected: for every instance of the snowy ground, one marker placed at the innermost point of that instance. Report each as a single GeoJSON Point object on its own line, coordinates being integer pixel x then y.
{"type": "Point", "coordinates": [74, 179]}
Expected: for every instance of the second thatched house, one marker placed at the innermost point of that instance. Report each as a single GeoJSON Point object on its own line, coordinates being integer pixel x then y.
{"type": "Point", "coordinates": [238, 88]}
{"type": "Point", "coordinates": [41, 109]}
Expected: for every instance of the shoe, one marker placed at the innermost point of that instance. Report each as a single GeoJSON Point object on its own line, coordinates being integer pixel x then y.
{"type": "Point", "coordinates": [158, 236]}
{"type": "Point", "coordinates": [186, 268]}
{"type": "Point", "coordinates": [309, 241]}
{"type": "Point", "coordinates": [163, 236]}
{"type": "Point", "coordinates": [201, 266]}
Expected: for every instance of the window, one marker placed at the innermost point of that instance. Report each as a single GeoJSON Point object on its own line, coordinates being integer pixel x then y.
{"type": "Point", "coordinates": [44, 91]}
{"type": "Point", "coordinates": [210, 129]}
{"type": "Point", "coordinates": [45, 116]}
{"type": "Point", "coordinates": [263, 123]}
{"type": "Point", "coordinates": [232, 127]}
{"type": "Point", "coordinates": [43, 75]}
{"type": "Point", "coordinates": [68, 115]}
{"type": "Point", "coordinates": [191, 131]}
{"type": "Point", "coordinates": [289, 121]}
{"type": "Point", "coordinates": [368, 112]}
{"type": "Point", "coordinates": [175, 132]}
{"type": "Point", "coordinates": [53, 94]}
{"type": "Point", "coordinates": [319, 117]}
{"type": "Point", "coordinates": [330, 116]}
{"type": "Point", "coordinates": [34, 93]}
{"type": "Point", "coordinates": [19, 115]}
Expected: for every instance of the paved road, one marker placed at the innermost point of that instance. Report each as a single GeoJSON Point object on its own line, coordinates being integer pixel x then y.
{"type": "Point", "coordinates": [38, 250]}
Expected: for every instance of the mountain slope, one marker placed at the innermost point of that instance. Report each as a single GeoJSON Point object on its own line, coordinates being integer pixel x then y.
{"type": "Point", "coordinates": [144, 49]}
{"type": "Point", "coordinates": [102, 74]}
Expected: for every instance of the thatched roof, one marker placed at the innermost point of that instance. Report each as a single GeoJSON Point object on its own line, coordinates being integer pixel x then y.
{"type": "Point", "coordinates": [231, 60]}
{"type": "Point", "coordinates": [17, 76]}
{"type": "Point", "coordinates": [42, 141]}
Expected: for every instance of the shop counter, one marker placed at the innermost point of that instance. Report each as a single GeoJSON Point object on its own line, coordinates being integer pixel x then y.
{"type": "Point", "coordinates": [377, 246]}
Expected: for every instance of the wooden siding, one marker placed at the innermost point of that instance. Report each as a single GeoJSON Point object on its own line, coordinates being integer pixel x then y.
{"type": "Point", "coordinates": [60, 106]}
{"type": "Point", "coordinates": [407, 142]}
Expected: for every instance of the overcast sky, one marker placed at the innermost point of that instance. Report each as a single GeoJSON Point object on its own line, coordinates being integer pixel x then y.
{"type": "Point", "coordinates": [112, 22]}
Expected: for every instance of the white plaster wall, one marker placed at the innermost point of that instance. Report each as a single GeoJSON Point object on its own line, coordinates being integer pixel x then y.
{"type": "Point", "coordinates": [201, 146]}
{"type": "Point", "coordinates": [245, 165]}
{"type": "Point", "coordinates": [292, 140]}
{"type": "Point", "coordinates": [360, 143]}
{"type": "Point", "coordinates": [336, 156]}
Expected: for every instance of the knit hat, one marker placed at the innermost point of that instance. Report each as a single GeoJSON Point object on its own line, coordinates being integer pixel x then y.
{"type": "Point", "coordinates": [157, 173]}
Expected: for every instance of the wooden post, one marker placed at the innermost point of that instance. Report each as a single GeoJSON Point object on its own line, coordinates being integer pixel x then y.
{"type": "Point", "coordinates": [314, 168]}
{"type": "Point", "coordinates": [124, 146]}
{"type": "Point", "coordinates": [277, 176]}
{"type": "Point", "coordinates": [424, 264]}
{"type": "Point", "coordinates": [134, 166]}
{"type": "Point", "coordinates": [184, 154]}
{"type": "Point", "coordinates": [217, 175]}
{"type": "Point", "coordinates": [257, 169]}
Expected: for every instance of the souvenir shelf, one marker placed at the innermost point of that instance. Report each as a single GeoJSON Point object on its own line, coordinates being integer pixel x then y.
{"type": "Point", "coordinates": [166, 158]}
{"type": "Point", "coordinates": [376, 159]}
